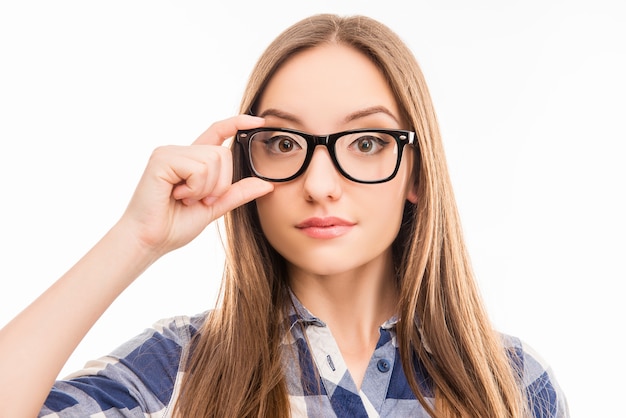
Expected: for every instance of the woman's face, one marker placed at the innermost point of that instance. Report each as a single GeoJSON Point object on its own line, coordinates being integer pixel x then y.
{"type": "Point", "coordinates": [321, 222]}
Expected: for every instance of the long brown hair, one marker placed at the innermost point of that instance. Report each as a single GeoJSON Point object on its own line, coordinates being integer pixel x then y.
{"type": "Point", "coordinates": [235, 368]}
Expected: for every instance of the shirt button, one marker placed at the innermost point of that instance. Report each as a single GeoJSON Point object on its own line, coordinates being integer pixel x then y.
{"type": "Point", "coordinates": [383, 365]}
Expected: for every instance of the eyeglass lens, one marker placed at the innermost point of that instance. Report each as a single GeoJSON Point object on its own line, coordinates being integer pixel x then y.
{"type": "Point", "coordinates": [365, 156]}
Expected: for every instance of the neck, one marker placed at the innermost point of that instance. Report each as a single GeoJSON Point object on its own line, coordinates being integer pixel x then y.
{"type": "Point", "coordinates": [354, 303]}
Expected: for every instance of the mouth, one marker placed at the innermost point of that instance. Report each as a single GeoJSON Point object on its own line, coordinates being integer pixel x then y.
{"type": "Point", "coordinates": [325, 228]}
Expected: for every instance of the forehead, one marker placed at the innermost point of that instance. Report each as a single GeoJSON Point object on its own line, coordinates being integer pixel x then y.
{"type": "Point", "coordinates": [321, 86]}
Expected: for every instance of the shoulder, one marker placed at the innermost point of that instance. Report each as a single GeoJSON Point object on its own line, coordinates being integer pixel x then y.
{"type": "Point", "coordinates": [178, 329]}
{"type": "Point", "coordinates": [139, 376]}
{"type": "Point", "coordinates": [538, 379]}
{"type": "Point", "coordinates": [166, 337]}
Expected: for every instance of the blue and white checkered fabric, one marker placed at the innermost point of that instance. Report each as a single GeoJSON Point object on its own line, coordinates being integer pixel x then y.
{"type": "Point", "coordinates": [141, 378]}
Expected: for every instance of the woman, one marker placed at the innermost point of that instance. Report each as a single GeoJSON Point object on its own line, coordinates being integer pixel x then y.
{"type": "Point", "coordinates": [347, 290]}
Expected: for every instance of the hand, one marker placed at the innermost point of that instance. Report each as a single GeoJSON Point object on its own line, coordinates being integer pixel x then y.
{"type": "Point", "coordinates": [184, 188]}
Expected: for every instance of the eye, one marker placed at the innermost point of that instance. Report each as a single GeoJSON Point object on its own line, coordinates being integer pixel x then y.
{"type": "Point", "coordinates": [368, 144]}
{"type": "Point", "coordinates": [281, 144]}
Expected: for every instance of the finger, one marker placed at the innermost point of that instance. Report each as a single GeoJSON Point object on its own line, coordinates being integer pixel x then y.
{"type": "Point", "coordinates": [209, 176]}
{"type": "Point", "coordinates": [220, 131]}
{"type": "Point", "coordinates": [241, 192]}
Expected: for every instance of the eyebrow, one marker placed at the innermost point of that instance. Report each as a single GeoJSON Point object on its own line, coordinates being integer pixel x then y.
{"type": "Point", "coordinates": [280, 114]}
{"type": "Point", "coordinates": [369, 111]}
{"type": "Point", "coordinates": [359, 114]}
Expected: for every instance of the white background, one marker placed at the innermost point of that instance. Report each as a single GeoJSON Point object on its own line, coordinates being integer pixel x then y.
{"type": "Point", "coordinates": [530, 97]}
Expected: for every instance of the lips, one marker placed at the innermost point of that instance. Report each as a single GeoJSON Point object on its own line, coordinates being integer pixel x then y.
{"type": "Point", "coordinates": [325, 228]}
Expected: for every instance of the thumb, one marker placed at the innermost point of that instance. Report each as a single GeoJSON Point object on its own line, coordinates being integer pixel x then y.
{"type": "Point", "coordinates": [239, 193]}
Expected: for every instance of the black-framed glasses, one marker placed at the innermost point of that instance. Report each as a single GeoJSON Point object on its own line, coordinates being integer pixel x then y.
{"type": "Point", "coordinates": [361, 155]}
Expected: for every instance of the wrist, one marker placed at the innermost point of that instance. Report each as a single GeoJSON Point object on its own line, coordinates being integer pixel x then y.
{"type": "Point", "coordinates": [127, 246]}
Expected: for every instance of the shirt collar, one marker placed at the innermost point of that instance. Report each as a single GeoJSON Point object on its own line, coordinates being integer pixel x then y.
{"type": "Point", "coordinates": [390, 323]}
{"type": "Point", "coordinates": [298, 313]}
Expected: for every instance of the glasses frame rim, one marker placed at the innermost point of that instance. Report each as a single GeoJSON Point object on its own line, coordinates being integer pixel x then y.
{"type": "Point", "coordinates": [402, 137]}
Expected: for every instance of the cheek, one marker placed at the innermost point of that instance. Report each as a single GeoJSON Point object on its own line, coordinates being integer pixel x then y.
{"type": "Point", "coordinates": [384, 202]}
{"type": "Point", "coordinates": [390, 205]}
{"type": "Point", "coordinates": [272, 211]}
{"type": "Point", "coordinates": [265, 210]}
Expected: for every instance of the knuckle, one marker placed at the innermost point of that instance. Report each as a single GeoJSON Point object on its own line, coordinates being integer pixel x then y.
{"type": "Point", "coordinates": [161, 152]}
{"type": "Point", "coordinates": [212, 158]}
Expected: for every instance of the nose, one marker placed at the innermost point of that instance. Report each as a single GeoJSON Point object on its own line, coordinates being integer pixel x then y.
{"type": "Point", "coordinates": [321, 180]}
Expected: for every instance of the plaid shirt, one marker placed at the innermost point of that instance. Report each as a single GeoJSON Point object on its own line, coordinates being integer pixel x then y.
{"type": "Point", "coordinates": [142, 377]}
